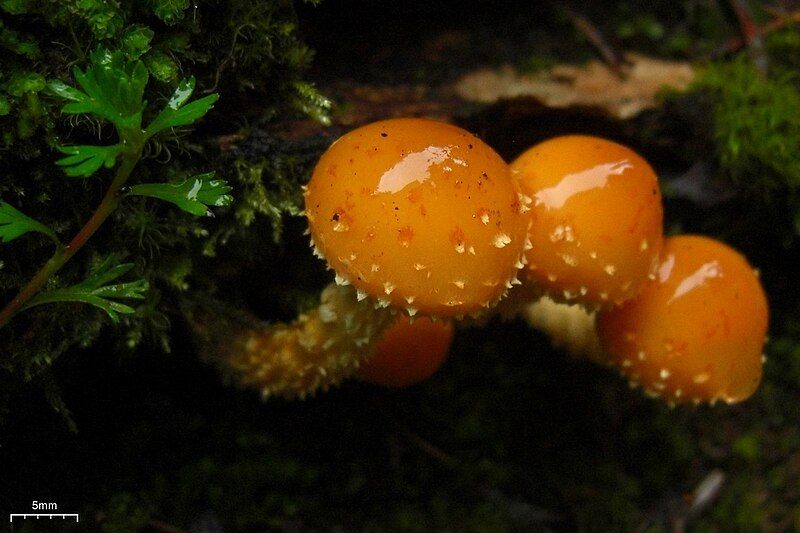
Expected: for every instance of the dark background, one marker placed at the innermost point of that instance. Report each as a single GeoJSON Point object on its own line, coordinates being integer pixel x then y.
{"type": "Point", "coordinates": [509, 435]}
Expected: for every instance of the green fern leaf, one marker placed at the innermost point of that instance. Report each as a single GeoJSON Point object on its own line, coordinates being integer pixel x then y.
{"type": "Point", "coordinates": [99, 291]}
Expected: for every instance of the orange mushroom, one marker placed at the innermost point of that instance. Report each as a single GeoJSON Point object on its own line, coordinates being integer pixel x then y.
{"type": "Point", "coordinates": [413, 213]}
{"type": "Point", "coordinates": [696, 332]}
{"type": "Point", "coordinates": [418, 214]}
{"type": "Point", "coordinates": [408, 352]}
{"type": "Point", "coordinates": [596, 218]}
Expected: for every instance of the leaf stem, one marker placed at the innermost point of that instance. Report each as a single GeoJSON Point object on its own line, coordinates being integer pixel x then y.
{"type": "Point", "coordinates": [63, 254]}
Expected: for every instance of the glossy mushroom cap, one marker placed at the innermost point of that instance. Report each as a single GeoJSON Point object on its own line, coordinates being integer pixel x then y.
{"type": "Point", "coordinates": [408, 352]}
{"type": "Point", "coordinates": [695, 333]}
{"type": "Point", "coordinates": [418, 214]}
{"type": "Point", "coordinates": [596, 218]}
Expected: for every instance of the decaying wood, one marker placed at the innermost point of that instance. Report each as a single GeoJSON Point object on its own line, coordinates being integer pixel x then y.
{"type": "Point", "coordinates": [593, 84]}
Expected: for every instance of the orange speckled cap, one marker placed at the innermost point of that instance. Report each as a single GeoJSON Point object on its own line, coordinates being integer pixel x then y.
{"type": "Point", "coordinates": [418, 214]}
{"type": "Point", "coordinates": [596, 218]}
{"type": "Point", "coordinates": [408, 352]}
{"type": "Point", "coordinates": [695, 333]}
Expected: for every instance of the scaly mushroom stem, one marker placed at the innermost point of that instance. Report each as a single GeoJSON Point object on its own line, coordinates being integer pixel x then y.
{"type": "Point", "coordinates": [319, 349]}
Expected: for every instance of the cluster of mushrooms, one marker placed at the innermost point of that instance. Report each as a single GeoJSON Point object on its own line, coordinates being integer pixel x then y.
{"type": "Point", "coordinates": [424, 224]}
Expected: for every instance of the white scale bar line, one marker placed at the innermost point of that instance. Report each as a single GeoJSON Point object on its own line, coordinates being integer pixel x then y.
{"type": "Point", "coordinates": [49, 515]}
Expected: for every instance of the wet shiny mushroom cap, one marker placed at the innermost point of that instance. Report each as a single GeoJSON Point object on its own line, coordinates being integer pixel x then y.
{"type": "Point", "coordinates": [696, 332]}
{"type": "Point", "coordinates": [409, 352]}
{"type": "Point", "coordinates": [418, 214]}
{"type": "Point", "coordinates": [596, 218]}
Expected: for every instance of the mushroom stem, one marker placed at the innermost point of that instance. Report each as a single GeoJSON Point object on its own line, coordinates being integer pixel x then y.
{"type": "Point", "coordinates": [319, 349]}
{"type": "Point", "coordinates": [569, 327]}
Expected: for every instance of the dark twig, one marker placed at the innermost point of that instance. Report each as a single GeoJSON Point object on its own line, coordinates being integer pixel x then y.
{"type": "Point", "coordinates": [411, 436]}
{"type": "Point", "coordinates": [706, 491]}
{"type": "Point", "coordinates": [608, 53]}
{"type": "Point", "coordinates": [424, 445]}
{"type": "Point", "coordinates": [674, 512]}
{"type": "Point", "coordinates": [158, 525]}
{"type": "Point", "coordinates": [519, 510]}
{"type": "Point", "coordinates": [100, 517]}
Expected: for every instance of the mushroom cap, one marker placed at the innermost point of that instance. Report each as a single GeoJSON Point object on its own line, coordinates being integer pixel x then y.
{"type": "Point", "coordinates": [418, 214]}
{"type": "Point", "coordinates": [696, 332]}
{"type": "Point", "coordinates": [596, 218]}
{"type": "Point", "coordinates": [408, 352]}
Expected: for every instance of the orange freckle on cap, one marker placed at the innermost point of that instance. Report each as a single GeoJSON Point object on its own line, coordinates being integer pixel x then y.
{"type": "Point", "coordinates": [341, 221]}
{"type": "Point", "coordinates": [405, 236]}
{"type": "Point", "coordinates": [603, 192]}
{"type": "Point", "coordinates": [677, 320]}
{"type": "Point", "coordinates": [415, 195]}
{"type": "Point", "coordinates": [457, 237]}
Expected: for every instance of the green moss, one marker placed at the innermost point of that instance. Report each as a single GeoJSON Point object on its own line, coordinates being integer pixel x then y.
{"type": "Point", "coordinates": [784, 47]}
{"type": "Point", "coordinates": [750, 146]}
{"type": "Point", "coordinates": [126, 513]}
{"type": "Point", "coordinates": [169, 11]}
{"type": "Point", "coordinates": [756, 146]}
{"type": "Point", "coordinates": [246, 51]}
{"type": "Point", "coordinates": [747, 447]}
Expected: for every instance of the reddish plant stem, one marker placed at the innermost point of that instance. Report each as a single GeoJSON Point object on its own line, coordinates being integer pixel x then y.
{"type": "Point", "coordinates": [751, 33]}
{"type": "Point", "coordinates": [780, 21]}
{"type": "Point", "coordinates": [63, 254]}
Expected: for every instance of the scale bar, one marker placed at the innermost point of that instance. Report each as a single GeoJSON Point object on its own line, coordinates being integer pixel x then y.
{"type": "Point", "coordinates": [49, 515]}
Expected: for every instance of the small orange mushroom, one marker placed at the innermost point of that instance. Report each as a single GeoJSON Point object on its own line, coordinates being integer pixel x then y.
{"type": "Point", "coordinates": [696, 332]}
{"type": "Point", "coordinates": [418, 214]}
{"type": "Point", "coordinates": [596, 218]}
{"type": "Point", "coordinates": [408, 352]}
